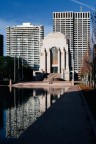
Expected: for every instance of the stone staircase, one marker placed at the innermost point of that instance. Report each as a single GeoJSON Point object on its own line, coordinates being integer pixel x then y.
{"type": "Point", "coordinates": [52, 76]}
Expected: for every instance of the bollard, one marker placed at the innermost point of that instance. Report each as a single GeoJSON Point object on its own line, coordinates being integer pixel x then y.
{"type": "Point", "coordinates": [10, 82]}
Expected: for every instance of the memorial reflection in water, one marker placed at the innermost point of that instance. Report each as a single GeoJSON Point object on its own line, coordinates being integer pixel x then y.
{"type": "Point", "coordinates": [23, 108]}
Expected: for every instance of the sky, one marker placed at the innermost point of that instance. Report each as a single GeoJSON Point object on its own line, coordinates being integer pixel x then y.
{"type": "Point", "coordinates": [37, 12]}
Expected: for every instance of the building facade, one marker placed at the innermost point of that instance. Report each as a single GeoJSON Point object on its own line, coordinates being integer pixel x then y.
{"type": "Point", "coordinates": [25, 41]}
{"type": "Point", "coordinates": [1, 45]}
{"type": "Point", "coordinates": [54, 57]}
{"type": "Point", "coordinates": [76, 27]}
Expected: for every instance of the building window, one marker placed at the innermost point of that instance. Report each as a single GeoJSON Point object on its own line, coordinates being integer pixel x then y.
{"type": "Point", "coordinates": [61, 15]}
{"type": "Point", "coordinates": [68, 15]}
{"type": "Point", "coordinates": [54, 15]}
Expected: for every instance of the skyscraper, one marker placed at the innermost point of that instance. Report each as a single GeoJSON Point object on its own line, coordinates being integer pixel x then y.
{"type": "Point", "coordinates": [76, 27]}
{"type": "Point", "coordinates": [1, 45]}
{"type": "Point", "coordinates": [25, 41]}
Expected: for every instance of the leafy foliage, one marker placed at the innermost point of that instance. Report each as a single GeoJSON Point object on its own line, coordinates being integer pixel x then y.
{"type": "Point", "coordinates": [87, 65]}
{"type": "Point", "coordinates": [6, 66]}
{"type": "Point", "coordinates": [10, 65]}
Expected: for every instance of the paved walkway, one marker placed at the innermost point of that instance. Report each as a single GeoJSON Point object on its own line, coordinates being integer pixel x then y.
{"type": "Point", "coordinates": [66, 122]}
{"type": "Point", "coordinates": [43, 84]}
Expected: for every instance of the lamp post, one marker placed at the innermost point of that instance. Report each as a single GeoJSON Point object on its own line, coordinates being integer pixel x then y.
{"type": "Point", "coordinates": [18, 68]}
{"type": "Point", "coordinates": [22, 56]}
{"type": "Point", "coordinates": [14, 69]}
{"type": "Point", "coordinates": [18, 56]}
{"type": "Point", "coordinates": [15, 54]}
{"type": "Point", "coordinates": [35, 45]}
{"type": "Point", "coordinates": [73, 69]}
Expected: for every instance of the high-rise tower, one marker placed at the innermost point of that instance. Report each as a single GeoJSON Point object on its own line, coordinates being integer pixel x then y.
{"type": "Point", "coordinates": [76, 27]}
{"type": "Point", "coordinates": [25, 41]}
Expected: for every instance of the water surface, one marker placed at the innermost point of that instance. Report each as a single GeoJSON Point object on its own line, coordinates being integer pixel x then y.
{"type": "Point", "coordinates": [19, 108]}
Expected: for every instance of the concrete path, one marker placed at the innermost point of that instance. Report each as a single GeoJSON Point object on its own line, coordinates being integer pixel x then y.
{"type": "Point", "coordinates": [43, 84]}
{"type": "Point", "coordinates": [66, 122]}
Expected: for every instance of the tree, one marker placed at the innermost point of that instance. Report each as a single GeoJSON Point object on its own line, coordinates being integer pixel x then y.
{"type": "Point", "coordinates": [12, 67]}
{"type": "Point", "coordinates": [7, 67]}
{"type": "Point", "coordinates": [93, 38]}
{"type": "Point", "coordinates": [86, 68]}
{"type": "Point", "coordinates": [94, 66]}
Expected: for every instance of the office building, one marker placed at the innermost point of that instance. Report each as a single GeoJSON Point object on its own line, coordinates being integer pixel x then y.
{"type": "Point", "coordinates": [1, 45]}
{"type": "Point", "coordinates": [76, 27]}
{"type": "Point", "coordinates": [25, 41]}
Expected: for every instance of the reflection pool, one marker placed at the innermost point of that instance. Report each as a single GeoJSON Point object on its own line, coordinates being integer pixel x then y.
{"type": "Point", "coordinates": [19, 108]}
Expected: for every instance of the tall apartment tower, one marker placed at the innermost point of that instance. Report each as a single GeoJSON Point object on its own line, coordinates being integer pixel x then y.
{"type": "Point", "coordinates": [1, 45]}
{"type": "Point", "coordinates": [76, 27]}
{"type": "Point", "coordinates": [25, 41]}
